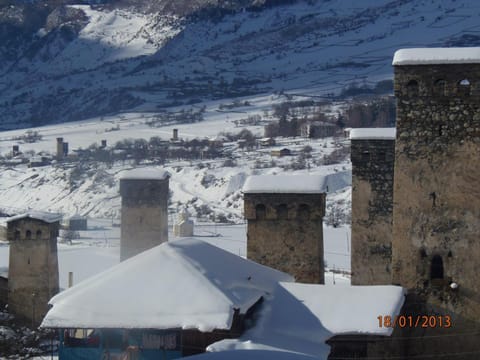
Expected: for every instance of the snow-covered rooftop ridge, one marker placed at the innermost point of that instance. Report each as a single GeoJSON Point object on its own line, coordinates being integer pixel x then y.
{"type": "Point", "coordinates": [145, 174]}
{"type": "Point", "coordinates": [294, 184]}
{"type": "Point", "coordinates": [423, 56]}
{"type": "Point", "coordinates": [373, 133]}
{"type": "Point", "coordinates": [38, 215]}
{"type": "Point", "coordinates": [164, 279]}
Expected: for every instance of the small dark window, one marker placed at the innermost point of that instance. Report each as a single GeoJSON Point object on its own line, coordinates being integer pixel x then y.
{"type": "Point", "coordinates": [17, 234]}
{"type": "Point", "coordinates": [365, 156]}
{"type": "Point", "coordinates": [436, 271]}
{"type": "Point", "coordinates": [412, 88]}
{"type": "Point", "coordinates": [439, 87]}
{"type": "Point", "coordinates": [260, 212]}
{"type": "Point", "coordinates": [423, 253]}
{"type": "Point", "coordinates": [38, 235]}
{"type": "Point", "coordinates": [282, 211]}
{"type": "Point", "coordinates": [28, 234]}
{"type": "Point", "coordinates": [464, 87]}
{"type": "Point", "coordinates": [303, 212]}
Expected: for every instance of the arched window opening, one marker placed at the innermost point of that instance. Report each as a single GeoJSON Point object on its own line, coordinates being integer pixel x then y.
{"type": "Point", "coordinates": [303, 212]}
{"type": "Point", "coordinates": [38, 234]}
{"type": "Point", "coordinates": [464, 87]}
{"type": "Point", "coordinates": [260, 212]}
{"type": "Point", "coordinates": [436, 271]}
{"type": "Point", "coordinates": [28, 234]}
{"type": "Point", "coordinates": [282, 211]}
{"type": "Point", "coordinates": [412, 88]}
{"type": "Point", "coordinates": [423, 253]}
{"type": "Point", "coordinates": [439, 87]}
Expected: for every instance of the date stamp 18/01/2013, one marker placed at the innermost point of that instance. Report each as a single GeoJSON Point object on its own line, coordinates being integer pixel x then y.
{"type": "Point", "coordinates": [414, 321]}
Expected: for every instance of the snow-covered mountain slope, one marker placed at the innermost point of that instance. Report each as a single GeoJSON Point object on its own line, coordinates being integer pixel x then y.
{"type": "Point", "coordinates": [85, 62]}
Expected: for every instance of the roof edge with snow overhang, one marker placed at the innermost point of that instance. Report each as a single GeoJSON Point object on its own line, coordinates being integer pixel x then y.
{"type": "Point", "coordinates": [373, 134]}
{"type": "Point", "coordinates": [426, 56]}
{"type": "Point", "coordinates": [37, 215]}
{"type": "Point", "coordinates": [285, 184]}
{"type": "Point", "coordinates": [145, 174]}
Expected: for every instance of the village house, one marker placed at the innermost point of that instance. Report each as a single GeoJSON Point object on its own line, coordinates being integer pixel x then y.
{"type": "Point", "coordinates": [170, 301]}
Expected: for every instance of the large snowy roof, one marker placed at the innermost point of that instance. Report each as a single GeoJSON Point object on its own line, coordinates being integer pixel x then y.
{"type": "Point", "coordinates": [294, 184]}
{"type": "Point", "coordinates": [423, 56]}
{"type": "Point", "coordinates": [145, 174]}
{"type": "Point", "coordinates": [187, 284]}
{"type": "Point", "coordinates": [373, 134]}
{"type": "Point", "coordinates": [38, 215]}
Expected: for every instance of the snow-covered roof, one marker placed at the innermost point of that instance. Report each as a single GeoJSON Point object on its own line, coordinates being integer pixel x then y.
{"type": "Point", "coordinates": [302, 317]}
{"type": "Point", "coordinates": [38, 215]}
{"type": "Point", "coordinates": [373, 134]}
{"type": "Point", "coordinates": [187, 284]}
{"type": "Point", "coordinates": [348, 309]}
{"type": "Point", "coordinates": [77, 217]}
{"type": "Point", "coordinates": [251, 355]}
{"type": "Point", "coordinates": [145, 174]}
{"type": "Point", "coordinates": [422, 56]}
{"type": "Point", "coordinates": [293, 184]}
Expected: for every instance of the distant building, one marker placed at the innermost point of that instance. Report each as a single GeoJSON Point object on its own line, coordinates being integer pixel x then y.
{"type": "Point", "coordinates": [184, 226]}
{"type": "Point", "coordinates": [285, 224]}
{"type": "Point", "coordinates": [33, 264]}
{"type": "Point", "coordinates": [144, 210]}
{"type": "Point", "coordinates": [269, 141]}
{"type": "Point", "coordinates": [317, 129]}
{"type": "Point", "coordinates": [77, 223]}
{"type": "Point", "coordinates": [281, 152]}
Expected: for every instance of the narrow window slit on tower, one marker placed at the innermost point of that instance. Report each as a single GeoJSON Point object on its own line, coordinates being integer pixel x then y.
{"type": "Point", "coordinates": [282, 211]}
{"type": "Point", "coordinates": [436, 270]}
{"type": "Point", "coordinates": [260, 212]}
{"type": "Point", "coordinates": [412, 88]}
{"type": "Point", "coordinates": [464, 87]}
{"type": "Point", "coordinates": [439, 87]}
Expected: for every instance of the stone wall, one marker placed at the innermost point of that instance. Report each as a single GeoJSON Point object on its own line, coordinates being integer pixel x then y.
{"type": "Point", "coordinates": [144, 215]}
{"type": "Point", "coordinates": [436, 217]}
{"type": "Point", "coordinates": [33, 268]}
{"type": "Point", "coordinates": [285, 232]}
{"type": "Point", "coordinates": [372, 208]}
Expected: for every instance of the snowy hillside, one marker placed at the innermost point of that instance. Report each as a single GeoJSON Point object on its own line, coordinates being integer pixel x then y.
{"type": "Point", "coordinates": [82, 62]}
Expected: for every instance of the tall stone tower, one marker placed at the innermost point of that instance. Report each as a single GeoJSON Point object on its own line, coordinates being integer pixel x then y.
{"type": "Point", "coordinates": [372, 154]}
{"type": "Point", "coordinates": [144, 210]}
{"type": "Point", "coordinates": [33, 265]}
{"type": "Point", "coordinates": [285, 224]}
{"type": "Point", "coordinates": [436, 215]}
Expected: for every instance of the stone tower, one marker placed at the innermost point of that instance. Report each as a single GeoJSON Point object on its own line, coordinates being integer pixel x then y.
{"type": "Point", "coordinates": [436, 215]}
{"type": "Point", "coordinates": [33, 265]}
{"type": "Point", "coordinates": [372, 154]}
{"type": "Point", "coordinates": [144, 210]}
{"type": "Point", "coordinates": [60, 150]}
{"type": "Point", "coordinates": [285, 224]}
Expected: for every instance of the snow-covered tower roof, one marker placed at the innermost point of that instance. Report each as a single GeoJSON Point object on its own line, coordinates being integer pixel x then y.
{"type": "Point", "coordinates": [427, 56]}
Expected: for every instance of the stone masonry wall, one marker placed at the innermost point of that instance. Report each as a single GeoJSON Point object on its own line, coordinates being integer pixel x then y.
{"type": "Point", "coordinates": [436, 217]}
{"type": "Point", "coordinates": [288, 234]}
{"type": "Point", "coordinates": [33, 268]}
{"type": "Point", "coordinates": [372, 209]}
{"type": "Point", "coordinates": [144, 215]}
